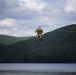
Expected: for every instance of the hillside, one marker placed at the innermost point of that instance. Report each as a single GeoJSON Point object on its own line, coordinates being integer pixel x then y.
{"type": "Point", "coordinates": [58, 46]}
{"type": "Point", "coordinates": [4, 39]}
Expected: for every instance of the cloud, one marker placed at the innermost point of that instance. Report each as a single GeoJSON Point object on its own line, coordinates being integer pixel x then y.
{"type": "Point", "coordinates": [7, 22]}
{"type": "Point", "coordinates": [22, 17]}
{"type": "Point", "coordinates": [45, 20]}
{"type": "Point", "coordinates": [5, 32]}
{"type": "Point", "coordinates": [32, 4]}
{"type": "Point", "coordinates": [70, 6]}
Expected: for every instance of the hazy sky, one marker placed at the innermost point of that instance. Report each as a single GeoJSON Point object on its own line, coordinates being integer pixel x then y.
{"type": "Point", "coordinates": [22, 17]}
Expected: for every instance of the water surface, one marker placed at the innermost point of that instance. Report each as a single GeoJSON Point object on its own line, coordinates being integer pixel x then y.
{"type": "Point", "coordinates": [37, 69]}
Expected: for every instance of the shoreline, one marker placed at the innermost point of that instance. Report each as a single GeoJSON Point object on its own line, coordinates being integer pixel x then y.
{"type": "Point", "coordinates": [41, 71]}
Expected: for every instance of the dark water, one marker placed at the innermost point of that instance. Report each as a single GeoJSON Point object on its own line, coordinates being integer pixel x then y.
{"type": "Point", "coordinates": [35, 73]}
{"type": "Point", "coordinates": [37, 69]}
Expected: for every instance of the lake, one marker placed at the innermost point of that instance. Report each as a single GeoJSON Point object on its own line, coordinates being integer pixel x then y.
{"type": "Point", "coordinates": [37, 69]}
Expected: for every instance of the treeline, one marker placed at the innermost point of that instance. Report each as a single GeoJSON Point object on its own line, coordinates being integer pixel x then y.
{"type": "Point", "coordinates": [56, 47]}
{"type": "Point", "coordinates": [4, 39]}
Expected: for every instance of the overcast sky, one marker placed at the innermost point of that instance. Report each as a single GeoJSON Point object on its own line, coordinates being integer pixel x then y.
{"type": "Point", "coordinates": [22, 17]}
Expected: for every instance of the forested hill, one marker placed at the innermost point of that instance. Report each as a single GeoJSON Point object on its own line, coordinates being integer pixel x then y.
{"type": "Point", "coordinates": [58, 46]}
{"type": "Point", "coordinates": [4, 39]}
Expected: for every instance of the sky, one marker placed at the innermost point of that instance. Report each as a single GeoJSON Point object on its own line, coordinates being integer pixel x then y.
{"type": "Point", "coordinates": [21, 17]}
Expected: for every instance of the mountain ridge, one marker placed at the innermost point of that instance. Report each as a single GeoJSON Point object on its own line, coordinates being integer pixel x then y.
{"type": "Point", "coordinates": [6, 39]}
{"type": "Point", "coordinates": [55, 47]}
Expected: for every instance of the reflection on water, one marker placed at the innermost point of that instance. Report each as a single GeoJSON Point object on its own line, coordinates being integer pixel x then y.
{"type": "Point", "coordinates": [35, 73]}
{"type": "Point", "coordinates": [37, 69]}
{"type": "Point", "coordinates": [37, 66]}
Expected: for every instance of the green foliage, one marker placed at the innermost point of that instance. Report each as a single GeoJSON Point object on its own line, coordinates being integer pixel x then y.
{"type": "Point", "coordinates": [11, 40]}
{"type": "Point", "coordinates": [56, 47]}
